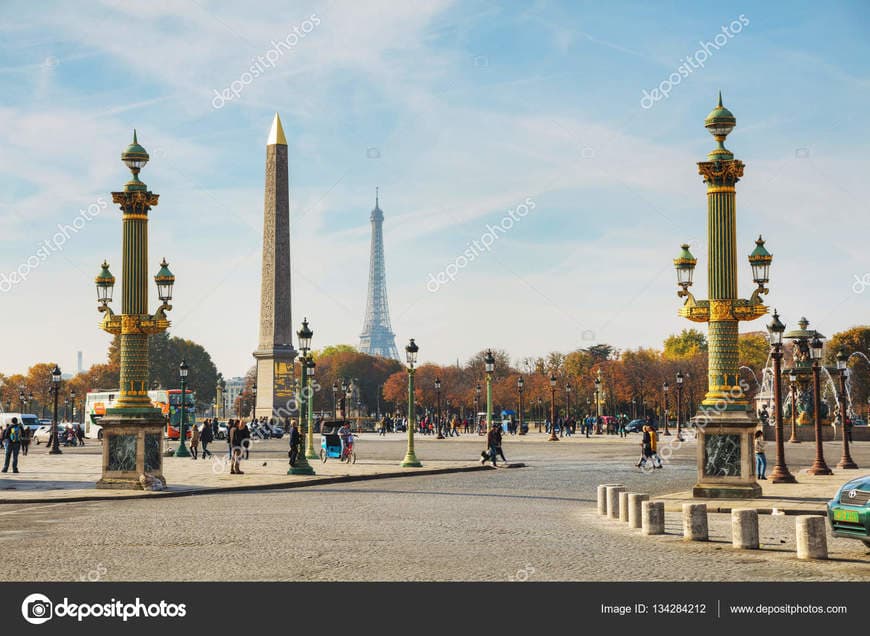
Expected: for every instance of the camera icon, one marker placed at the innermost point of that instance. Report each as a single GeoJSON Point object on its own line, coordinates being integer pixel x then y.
{"type": "Point", "coordinates": [373, 153]}
{"type": "Point", "coordinates": [37, 609]}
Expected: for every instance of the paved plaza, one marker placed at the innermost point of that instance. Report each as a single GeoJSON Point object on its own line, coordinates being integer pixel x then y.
{"type": "Point", "coordinates": [536, 523]}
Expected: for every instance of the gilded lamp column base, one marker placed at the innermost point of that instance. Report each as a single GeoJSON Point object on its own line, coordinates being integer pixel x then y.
{"type": "Point", "coordinates": [133, 450]}
{"type": "Point", "coordinates": [726, 457]}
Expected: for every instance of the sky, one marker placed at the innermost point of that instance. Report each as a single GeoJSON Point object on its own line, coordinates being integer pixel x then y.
{"type": "Point", "coordinates": [537, 117]}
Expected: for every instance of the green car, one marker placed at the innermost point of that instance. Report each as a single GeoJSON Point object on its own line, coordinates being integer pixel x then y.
{"type": "Point", "coordinates": [849, 511]}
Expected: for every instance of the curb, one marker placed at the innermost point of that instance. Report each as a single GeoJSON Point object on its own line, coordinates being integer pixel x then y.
{"type": "Point", "coordinates": [193, 491]}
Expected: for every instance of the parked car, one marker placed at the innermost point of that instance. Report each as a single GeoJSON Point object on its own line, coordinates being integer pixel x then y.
{"type": "Point", "coordinates": [42, 433]}
{"type": "Point", "coordinates": [222, 430]}
{"type": "Point", "coordinates": [849, 510]}
{"type": "Point", "coordinates": [635, 426]}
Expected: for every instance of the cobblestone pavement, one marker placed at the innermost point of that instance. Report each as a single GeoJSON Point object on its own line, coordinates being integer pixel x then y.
{"type": "Point", "coordinates": [537, 523]}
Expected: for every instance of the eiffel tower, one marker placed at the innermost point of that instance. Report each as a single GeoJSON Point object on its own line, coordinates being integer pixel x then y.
{"type": "Point", "coordinates": [377, 337]}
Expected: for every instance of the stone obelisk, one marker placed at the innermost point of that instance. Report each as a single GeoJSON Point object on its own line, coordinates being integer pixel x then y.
{"type": "Point", "coordinates": [275, 352]}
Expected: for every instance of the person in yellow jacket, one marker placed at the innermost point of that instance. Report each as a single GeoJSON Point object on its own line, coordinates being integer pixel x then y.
{"type": "Point", "coordinates": [654, 447]}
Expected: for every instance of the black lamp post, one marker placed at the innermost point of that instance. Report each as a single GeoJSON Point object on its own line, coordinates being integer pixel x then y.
{"type": "Point", "coordinates": [819, 466]}
{"type": "Point", "coordinates": [182, 451]}
{"type": "Point", "coordinates": [335, 399]}
{"type": "Point", "coordinates": [781, 473]}
{"type": "Point", "coordinates": [55, 388]}
{"type": "Point", "coordinates": [680, 379]}
{"type": "Point", "coordinates": [553, 437]}
{"type": "Point", "coordinates": [665, 388]}
{"type": "Point", "coordinates": [438, 406]}
{"type": "Point", "coordinates": [846, 460]}
{"type": "Point", "coordinates": [254, 395]}
{"type": "Point", "coordinates": [72, 400]}
{"type": "Point", "coordinates": [520, 386]}
{"type": "Point", "coordinates": [411, 460]}
{"type": "Point", "coordinates": [567, 403]}
{"type": "Point", "coordinates": [792, 383]}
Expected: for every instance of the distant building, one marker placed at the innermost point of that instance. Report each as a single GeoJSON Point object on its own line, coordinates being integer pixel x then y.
{"type": "Point", "coordinates": [79, 366]}
{"type": "Point", "coordinates": [234, 389]}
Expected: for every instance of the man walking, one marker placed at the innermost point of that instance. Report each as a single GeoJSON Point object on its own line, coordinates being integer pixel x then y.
{"type": "Point", "coordinates": [205, 437]}
{"type": "Point", "coordinates": [12, 438]}
{"type": "Point", "coordinates": [294, 443]}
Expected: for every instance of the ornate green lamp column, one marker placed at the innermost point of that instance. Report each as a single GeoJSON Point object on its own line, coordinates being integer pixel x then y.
{"type": "Point", "coordinates": [305, 334]}
{"type": "Point", "coordinates": [725, 421]}
{"type": "Point", "coordinates": [411, 460]}
{"type": "Point", "coordinates": [489, 363]}
{"type": "Point", "coordinates": [133, 429]}
{"type": "Point", "coordinates": [302, 466]}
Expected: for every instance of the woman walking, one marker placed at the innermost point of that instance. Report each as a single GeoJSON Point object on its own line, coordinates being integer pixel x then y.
{"type": "Point", "coordinates": [760, 457]}
{"type": "Point", "coordinates": [194, 442]}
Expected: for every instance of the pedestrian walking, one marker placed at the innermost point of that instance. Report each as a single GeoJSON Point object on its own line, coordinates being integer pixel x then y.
{"type": "Point", "coordinates": [12, 435]}
{"type": "Point", "coordinates": [239, 435]}
{"type": "Point", "coordinates": [760, 457]}
{"type": "Point", "coordinates": [654, 444]}
{"type": "Point", "coordinates": [194, 441]}
{"type": "Point", "coordinates": [205, 438]}
{"type": "Point", "coordinates": [231, 425]}
{"type": "Point", "coordinates": [25, 439]}
{"type": "Point", "coordinates": [293, 433]}
{"type": "Point", "coordinates": [493, 439]}
{"type": "Point", "coordinates": [645, 447]}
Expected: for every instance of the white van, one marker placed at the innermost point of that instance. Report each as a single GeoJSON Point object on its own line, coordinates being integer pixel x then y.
{"type": "Point", "coordinates": [26, 419]}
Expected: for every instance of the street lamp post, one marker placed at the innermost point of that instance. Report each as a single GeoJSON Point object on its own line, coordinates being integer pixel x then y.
{"type": "Point", "coordinates": [411, 460]}
{"type": "Point", "coordinates": [477, 391]}
{"type": "Point", "coordinates": [21, 400]}
{"type": "Point", "coordinates": [438, 406]}
{"type": "Point", "coordinates": [567, 402]}
{"type": "Point", "coordinates": [780, 474]}
{"type": "Point", "coordinates": [553, 437]}
{"type": "Point", "coordinates": [846, 460]}
{"type": "Point", "coordinates": [489, 364]}
{"type": "Point", "coordinates": [819, 466]}
{"type": "Point", "coordinates": [254, 395]}
{"type": "Point", "coordinates": [724, 452]}
{"type": "Point", "coordinates": [133, 428]}
{"type": "Point", "coordinates": [665, 388]}
{"type": "Point", "coordinates": [305, 335]}
{"type": "Point", "coordinates": [680, 378]}
{"type": "Point", "coordinates": [55, 388]}
{"type": "Point", "coordinates": [520, 386]}
{"type": "Point", "coordinates": [792, 380]}
{"type": "Point", "coordinates": [335, 399]}
{"type": "Point", "coordinates": [72, 399]}
{"type": "Point", "coordinates": [182, 451]}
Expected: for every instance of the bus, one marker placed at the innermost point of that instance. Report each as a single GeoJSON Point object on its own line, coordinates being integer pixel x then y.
{"type": "Point", "coordinates": [167, 400]}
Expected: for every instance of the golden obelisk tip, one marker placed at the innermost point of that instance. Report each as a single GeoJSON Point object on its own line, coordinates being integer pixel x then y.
{"type": "Point", "coordinates": [276, 135]}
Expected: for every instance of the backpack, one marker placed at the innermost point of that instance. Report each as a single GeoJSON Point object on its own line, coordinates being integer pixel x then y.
{"type": "Point", "coordinates": [14, 433]}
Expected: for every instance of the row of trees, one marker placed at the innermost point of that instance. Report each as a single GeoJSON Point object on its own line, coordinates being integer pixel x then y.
{"type": "Point", "coordinates": [632, 379]}
{"type": "Point", "coordinates": [165, 355]}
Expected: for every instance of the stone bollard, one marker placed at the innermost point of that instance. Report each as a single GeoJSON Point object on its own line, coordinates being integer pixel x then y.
{"type": "Point", "coordinates": [653, 517]}
{"type": "Point", "coordinates": [811, 537]}
{"type": "Point", "coordinates": [695, 522]}
{"type": "Point", "coordinates": [744, 528]}
{"type": "Point", "coordinates": [623, 507]}
{"type": "Point", "coordinates": [613, 501]}
{"type": "Point", "coordinates": [634, 508]}
{"type": "Point", "coordinates": [602, 498]}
